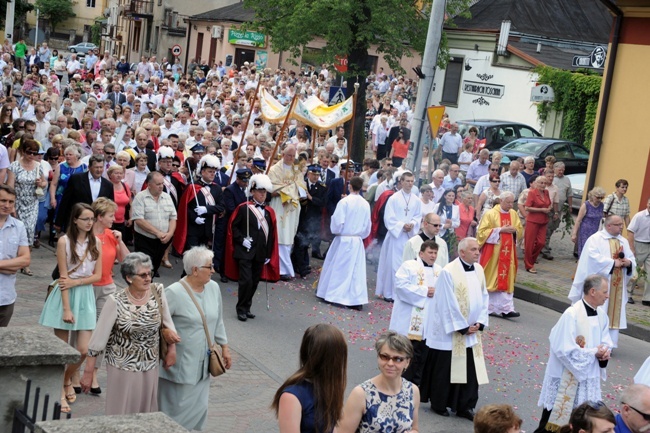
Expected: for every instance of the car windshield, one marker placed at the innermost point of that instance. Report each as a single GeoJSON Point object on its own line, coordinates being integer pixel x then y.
{"type": "Point", "coordinates": [525, 146]}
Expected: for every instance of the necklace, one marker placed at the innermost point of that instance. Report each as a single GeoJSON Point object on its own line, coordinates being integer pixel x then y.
{"type": "Point", "coordinates": [128, 291]}
{"type": "Point", "coordinates": [406, 210]}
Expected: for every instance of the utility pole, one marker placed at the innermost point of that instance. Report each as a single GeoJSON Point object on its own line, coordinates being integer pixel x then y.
{"type": "Point", "coordinates": [426, 75]}
{"type": "Point", "coordinates": [9, 20]}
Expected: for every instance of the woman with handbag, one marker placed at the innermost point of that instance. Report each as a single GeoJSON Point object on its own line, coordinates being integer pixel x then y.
{"type": "Point", "coordinates": [197, 311]}
{"type": "Point", "coordinates": [129, 333]}
{"type": "Point", "coordinates": [26, 176]}
{"type": "Point", "coordinates": [70, 306]}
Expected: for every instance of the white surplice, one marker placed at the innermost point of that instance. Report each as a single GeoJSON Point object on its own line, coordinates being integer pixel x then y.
{"type": "Point", "coordinates": [400, 209]}
{"type": "Point", "coordinates": [581, 362]}
{"type": "Point", "coordinates": [643, 375]}
{"type": "Point", "coordinates": [445, 317]}
{"type": "Point", "coordinates": [412, 282]}
{"type": "Point", "coordinates": [343, 279]}
{"type": "Point", "coordinates": [596, 258]}
{"type": "Point", "coordinates": [412, 249]}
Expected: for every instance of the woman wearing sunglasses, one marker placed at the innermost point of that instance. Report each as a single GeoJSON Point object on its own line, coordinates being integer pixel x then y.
{"type": "Point", "coordinates": [386, 402]}
{"type": "Point", "coordinates": [26, 177]}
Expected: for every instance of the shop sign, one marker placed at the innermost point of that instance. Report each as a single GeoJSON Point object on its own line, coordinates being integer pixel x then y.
{"type": "Point", "coordinates": [249, 39]}
{"type": "Point", "coordinates": [483, 89]}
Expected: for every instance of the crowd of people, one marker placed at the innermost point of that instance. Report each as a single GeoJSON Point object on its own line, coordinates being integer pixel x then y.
{"type": "Point", "coordinates": [162, 161]}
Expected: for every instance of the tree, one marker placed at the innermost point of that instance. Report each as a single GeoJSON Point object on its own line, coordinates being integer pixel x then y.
{"type": "Point", "coordinates": [55, 11]}
{"type": "Point", "coordinates": [22, 7]}
{"type": "Point", "coordinates": [349, 28]}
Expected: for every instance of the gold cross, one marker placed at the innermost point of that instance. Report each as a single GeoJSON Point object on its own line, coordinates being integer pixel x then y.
{"type": "Point", "coordinates": [503, 273]}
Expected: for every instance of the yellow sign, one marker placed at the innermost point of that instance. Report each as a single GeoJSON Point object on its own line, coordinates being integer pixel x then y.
{"type": "Point", "coordinates": [434, 113]}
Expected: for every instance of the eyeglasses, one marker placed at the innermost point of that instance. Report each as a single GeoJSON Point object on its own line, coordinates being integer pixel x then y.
{"type": "Point", "coordinates": [494, 169]}
{"type": "Point", "coordinates": [145, 275]}
{"type": "Point", "coordinates": [432, 224]}
{"type": "Point", "coordinates": [87, 219]}
{"type": "Point", "coordinates": [645, 416]}
{"type": "Point", "coordinates": [109, 153]}
{"type": "Point", "coordinates": [31, 152]}
{"type": "Point", "coordinates": [396, 359]}
{"type": "Point", "coordinates": [600, 197]}
{"type": "Point", "coordinates": [207, 267]}
{"type": "Point", "coordinates": [494, 181]}
{"type": "Point", "coordinates": [227, 134]}
{"type": "Point", "coordinates": [176, 165]}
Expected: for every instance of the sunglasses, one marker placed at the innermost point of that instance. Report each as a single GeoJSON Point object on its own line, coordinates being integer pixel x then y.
{"type": "Point", "coordinates": [435, 225]}
{"type": "Point", "coordinates": [109, 153]}
{"type": "Point", "coordinates": [53, 158]}
{"type": "Point", "coordinates": [30, 152]}
{"type": "Point", "coordinates": [176, 165]}
{"type": "Point", "coordinates": [645, 416]}
{"type": "Point", "coordinates": [494, 181]}
{"type": "Point", "coordinates": [395, 359]}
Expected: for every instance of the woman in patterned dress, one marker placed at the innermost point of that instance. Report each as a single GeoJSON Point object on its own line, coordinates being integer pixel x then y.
{"type": "Point", "coordinates": [71, 304]}
{"type": "Point", "coordinates": [62, 173]}
{"type": "Point", "coordinates": [386, 402]}
{"type": "Point", "coordinates": [589, 216]}
{"type": "Point", "coordinates": [128, 333]}
{"type": "Point", "coordinates": [25, 175]}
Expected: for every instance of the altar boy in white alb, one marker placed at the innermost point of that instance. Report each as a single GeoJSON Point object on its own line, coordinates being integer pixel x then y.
{"type": "Point", "coordinates": [402, 218]}
{"type": "Point", "coordinates": [415, 284]}
{"type": "Point", "coordinates": [343, 280]}
{"type": "Point", "coordinates": [580, 347]}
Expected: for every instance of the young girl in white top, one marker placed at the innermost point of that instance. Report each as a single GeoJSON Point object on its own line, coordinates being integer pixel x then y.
{"type": "Point", "coordinates": [465, 158]}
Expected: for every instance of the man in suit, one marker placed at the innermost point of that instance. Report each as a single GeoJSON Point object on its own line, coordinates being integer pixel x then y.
{"type": "Point", "coordinates": [233, 196]}
{"type": "Point", "coordinates": [84, 187]}
{"type": "Point", "coordinates": [141, 141]}
{"type": "Point", "coordinates": [311, 218]}
{"type": "Point", "coordinates": [339, 187]}
{"type": "Point", "coordinates": [116, 96]}
{"type": "Point", "coordinates": [254, 240]}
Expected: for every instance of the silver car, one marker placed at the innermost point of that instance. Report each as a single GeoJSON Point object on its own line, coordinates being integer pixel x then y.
{"type": "Point", "coordinates": [577, 188]}
{"type": "Point", "coordinates": [82, 47]}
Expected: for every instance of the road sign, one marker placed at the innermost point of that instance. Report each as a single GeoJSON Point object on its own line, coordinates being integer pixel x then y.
{"type": "Point", "coordinates": [337, 95]}
{"type": "Point", "coordinates": [341, 64]}
{"type": "Point", "coordinates": [177, 50]}
{"type": "Point", "coordinates": [542, 92]}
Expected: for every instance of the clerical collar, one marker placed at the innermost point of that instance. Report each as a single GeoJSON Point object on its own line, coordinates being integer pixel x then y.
{"type": "Point", "coordinates": [425, 237]}
{"type": "Point", "coordinates": [466, 267]}
{"type": "Point", "coordinates": [426, 265]}
{"type": "Point", "coordinates": [591, 311]}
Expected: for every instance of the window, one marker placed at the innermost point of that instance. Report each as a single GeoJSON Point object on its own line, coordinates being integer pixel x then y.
{"type": "Point", "coordinates": [451, 86]}
{"type": "Point", "coordinates": [135, 45]}
{"type": "Point", "coordinates": [580, 152]}
{"type": "Point", "coordinates": [90, 3]}
{"type": "Point", "coordinates": [527, 132]}
{"type": "Point", "coordinates": [561, 151]}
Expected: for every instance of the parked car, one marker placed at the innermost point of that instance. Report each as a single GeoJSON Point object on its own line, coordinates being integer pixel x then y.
{"type": "Point", "coordinates": [82, 48]}
{"type": "Point", "coordinates": [574, 156]}
{"type": "Point", "coordinates": [577, 188]}
{"type": "Point", "coordinates": [494, 134]}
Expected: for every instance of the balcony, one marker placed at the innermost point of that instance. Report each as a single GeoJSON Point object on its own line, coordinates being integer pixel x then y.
{"type": "Point", "coordinates": [140, 8]}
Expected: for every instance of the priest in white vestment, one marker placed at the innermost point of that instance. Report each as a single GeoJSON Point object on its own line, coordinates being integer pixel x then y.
{"type": "Point", "coordinates": [415, 283]}
{"type": "Point", "coordinates": [288, 187]}
{"type": "Point", "coordinates": [343, 279]}
{"type": "Point", "coordinates": [608, 253]}
{"type": "Point", "coordinates": [430, 228]}
{"type": "Point", "coordinates": [402, 216]}
{"type": "Point", "coordinates": [643, 375]}
{"type": "Point", "coordinates": [455, 365]}
{"type": "Point", "coordinates": [580, 347]}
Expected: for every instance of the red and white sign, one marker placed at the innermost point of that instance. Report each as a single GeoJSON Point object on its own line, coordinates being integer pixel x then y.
{"type": "Point", "coordinates": [177, 50]}
{"type": "Point", "coordinates": [341, 64]}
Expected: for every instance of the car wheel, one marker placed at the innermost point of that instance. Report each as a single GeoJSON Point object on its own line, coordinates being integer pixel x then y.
{"type": "Point", "coordinates": [72, 50]}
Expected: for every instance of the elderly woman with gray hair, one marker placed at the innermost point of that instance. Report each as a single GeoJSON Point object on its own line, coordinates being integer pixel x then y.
{"type": "Point", "coordinates": [184, 389]}
{"type": "Point", "coordinates": [128, 333]}
{"type": "Point", "coordinates": [589, 216]}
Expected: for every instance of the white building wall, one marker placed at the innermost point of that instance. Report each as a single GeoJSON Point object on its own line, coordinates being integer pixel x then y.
{"type": "Point", "coordinates": [516, 84]}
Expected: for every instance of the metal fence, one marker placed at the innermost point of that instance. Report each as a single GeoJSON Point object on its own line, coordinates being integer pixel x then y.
{"type": "Point", "coordinates": [23, 421]}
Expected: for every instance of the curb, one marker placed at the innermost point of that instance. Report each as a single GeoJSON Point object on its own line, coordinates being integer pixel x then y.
{"type": "Point", "coordinates": [555, 303]}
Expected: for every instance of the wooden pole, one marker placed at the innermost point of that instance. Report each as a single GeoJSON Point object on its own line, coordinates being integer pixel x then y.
{"type": "Point", "coordinates": [314, 131]}
{"type": "Point", "coordinates": [284, 127]}
{"type": "Point", "coordinates": [354, 110]}
{"type": "Point", "coordinates": [248, 119]}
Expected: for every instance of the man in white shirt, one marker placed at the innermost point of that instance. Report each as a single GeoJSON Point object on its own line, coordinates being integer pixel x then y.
{"type": "Point", "coordinates": [42, 125]}
{"type": "Point", "coordinates": [451, 144]}
{"type": "Point", "coordinates": [638, 234]}
{"type": "Point", "coordinates": [438, 177]}
{"type": "Point", "coordinates": [73, 65]}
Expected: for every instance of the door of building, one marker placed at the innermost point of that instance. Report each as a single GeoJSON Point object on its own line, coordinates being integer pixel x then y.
{"type": "Point", "coordinates": [242, 56]}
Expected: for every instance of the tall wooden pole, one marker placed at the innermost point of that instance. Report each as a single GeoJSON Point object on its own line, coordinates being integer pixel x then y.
{"type": "Point", "coordinates": [248, 119]}
{"type": "Point", "coordinates": [284, 127]}
{"type": "Point", "coordinates": [314, 132]}
{"type": "Point", "coordinates": [354, 112]}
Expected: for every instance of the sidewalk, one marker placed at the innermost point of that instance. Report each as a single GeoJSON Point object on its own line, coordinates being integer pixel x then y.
{"type": "Point", "coordinates": [552, 283]}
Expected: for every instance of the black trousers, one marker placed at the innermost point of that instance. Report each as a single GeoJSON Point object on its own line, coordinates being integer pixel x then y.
{"type": "Point", "coordinates": [127, 232]}
{"type": "Point", "coordinates": [453, 157]}
{"type": "Point", "coordinates": [250, 272]}
{"type": "Point", "coordinates": [435, 385]}
{"type": "Point", "coordinates": [300, 253]}
{"type": "Point", "coordinates": [6, 311]}
{"type": "Point", "coordinates": [546, 415]}
{"type": "Point", "coordinates": [154, 248]}
{"type": "Point", "coordinates": [414, 371]}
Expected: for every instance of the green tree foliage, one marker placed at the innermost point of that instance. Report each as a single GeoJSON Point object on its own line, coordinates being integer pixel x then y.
{"type": "Point", "coordinates": [22, 7]}
{"type": "Point", "coordinates": [96, 31]}
{"type": "Point", "coordinates": [576, 96]}
{"type": "Point", "coordinates": [350, 28]}
{"type": "Point", "coordinates": [55, 11]}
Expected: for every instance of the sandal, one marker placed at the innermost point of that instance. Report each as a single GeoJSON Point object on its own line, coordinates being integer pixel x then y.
{"type": "Point", "coordinates": [26, 271]}
{"type": "Point", "coordinates": [71, 397]}
{"type": "Point", "coordinates": [65, 408]}
{"type": "Point", "coordinates": [531, 270]}
{"type": "Point", "coordinates": [167, 264]}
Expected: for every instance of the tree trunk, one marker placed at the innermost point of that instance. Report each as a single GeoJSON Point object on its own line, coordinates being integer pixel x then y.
{"type": "Point", "coordinates": [358, 65]}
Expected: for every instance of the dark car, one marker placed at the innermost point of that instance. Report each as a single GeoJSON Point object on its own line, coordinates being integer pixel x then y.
{"type": "Point", "coordinates": [494, 134]}
{"type": "Point", "coordinates": [574, 156]}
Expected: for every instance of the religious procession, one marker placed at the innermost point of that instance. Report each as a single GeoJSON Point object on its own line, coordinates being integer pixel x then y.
{"type": "Point", "coordinates": [165, 206]}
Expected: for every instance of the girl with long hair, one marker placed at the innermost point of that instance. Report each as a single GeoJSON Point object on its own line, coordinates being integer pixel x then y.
{"type": "Point", "coordinates": [312, 398]}
{"type": "Point", "coordinates": [70, 306]}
